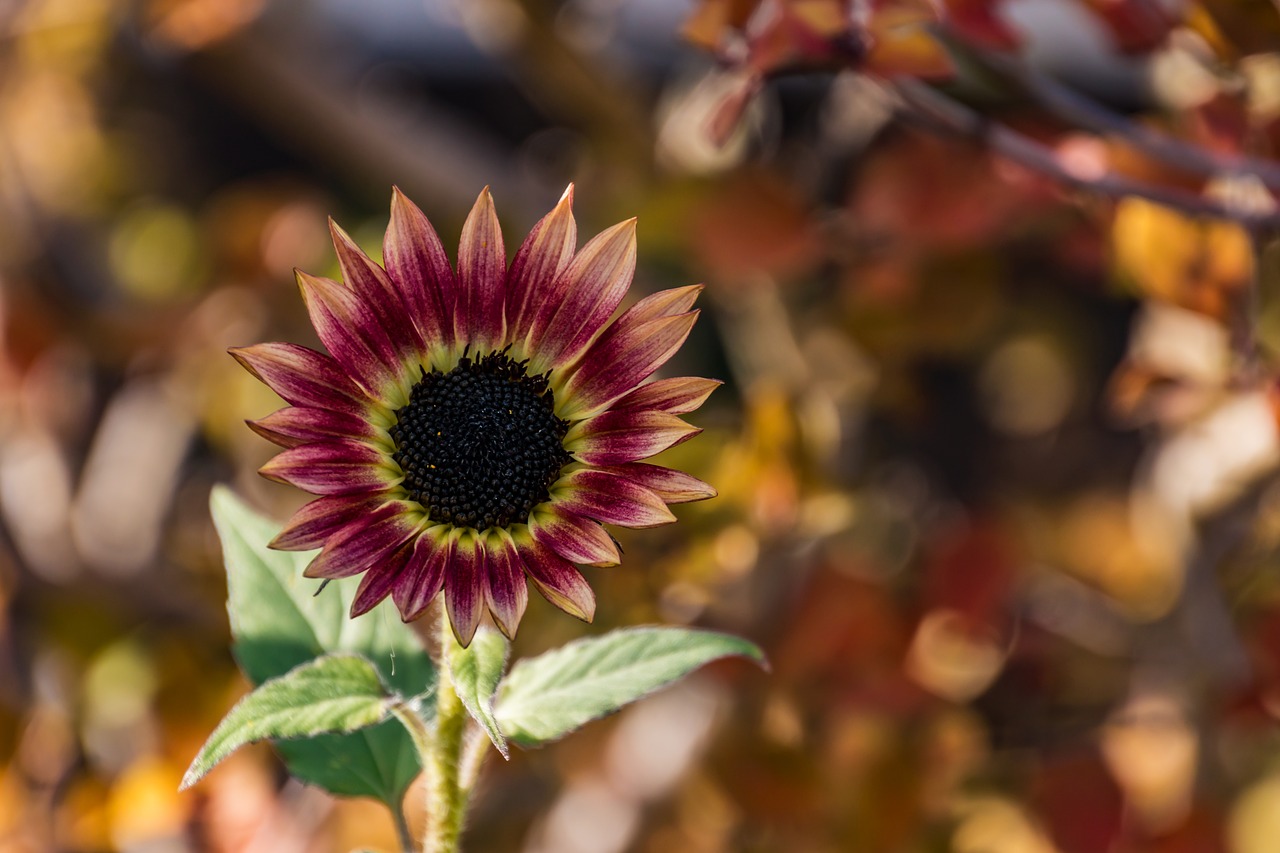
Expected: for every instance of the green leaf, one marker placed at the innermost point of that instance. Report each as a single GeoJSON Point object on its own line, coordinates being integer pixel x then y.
{"type": "Point", "coordinates": [547, 697]}
{"type": "Point", "coordinates": [476, 671]}
{"type": "Point", "coordinates": [334, 693]}
{"type": "Point", "coordinates": [278, 622]}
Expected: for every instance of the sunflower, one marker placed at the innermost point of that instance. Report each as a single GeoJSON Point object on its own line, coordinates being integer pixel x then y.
{"type": "Point", "coordinates": [474, 427]}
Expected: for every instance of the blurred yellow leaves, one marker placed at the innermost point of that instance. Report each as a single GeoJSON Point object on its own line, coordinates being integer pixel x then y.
{"type": "Point", "coordinates": [1095, 540]}
{"type": "Point", "coordinates": [1152, 751]}
{"type": "Point", "coordinates": [996, 825]}
{"type": "Point", "coordinates": [951, 659]}
{"type": "Point", "coordinates": [1255, 820]}
{"type": "Point", "coordinates": [155, 252]}
{"type": "Point", "coordinates": [193, 24]}
{"type": "Point", "coordinates": [145, 804]}
{"type": "Point", "coordinates": [1198, 264]}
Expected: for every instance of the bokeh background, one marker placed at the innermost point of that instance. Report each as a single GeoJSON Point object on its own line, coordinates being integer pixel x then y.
{"type": "Point", "coordinates": [996, 450]}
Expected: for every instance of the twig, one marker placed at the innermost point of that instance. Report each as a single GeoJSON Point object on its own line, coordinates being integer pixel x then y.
{"type": "Point", "coordinates": [941, 110]}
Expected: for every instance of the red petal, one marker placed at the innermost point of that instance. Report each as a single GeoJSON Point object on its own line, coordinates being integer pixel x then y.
{"type": "Point", "coordinates": [317, 521]}
{"type": "Point", "coordinates": [573, 537]}
{"type": "Point", "coordinates": [380, 580]}
{"type": "Point", "coordinates": [508, 593]}
{"type": "Point", "coordinates": [482, 272]}
{"type": "Point", "coordinates": [612, 499]}
{"type": "Point", "coordinates": [296, 425]}
{"type": "Point", "coordinates": [614, 436]}
{"type": "Point", "coordinates": [674, 487]}
{"type": "Point", "coordinates": [557, 580]}
{"type": "Point", "coordinates": [303, 377]}
{"type": "Point", "coordinates": [543, 256]}
{"type": "Point", "coordinates": [416, 260]}
{"type": "Point", "coordinates": [353, 334]}
{"type": "Point", "coordinates": [626, 358]}
{"type": "Point", "coordinates": [340, 467]}
{"type": "Point", "coordinates": [372, 284]}
{"type": "Point", "coordinates": [423, 576]}
{"type": "Point", "coordinates": [678, 395]}
{"type": "Point", "coordinates": [581, 301]}
{"type": "Point", "coordinates": [464, 587]}
{"type": "Point", "coordinates": [359, 547]}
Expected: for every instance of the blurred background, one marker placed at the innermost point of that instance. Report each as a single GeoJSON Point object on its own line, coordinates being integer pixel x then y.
{"type": "Point", "coordinates": [991, 287]}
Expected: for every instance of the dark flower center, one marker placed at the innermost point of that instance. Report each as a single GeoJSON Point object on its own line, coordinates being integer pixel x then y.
{"type": "Point", "coordinates": [481, 444]}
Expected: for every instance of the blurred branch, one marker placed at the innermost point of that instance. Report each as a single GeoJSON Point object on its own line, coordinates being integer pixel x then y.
{"type": "Point", "coordinates": [941, 111]}
{"type": "Point", "coordinates": [425, 151]}
{"type": "Point", "coordinates": [1085, 112]}
{"type": "Point", "coordinates": [555, 73]}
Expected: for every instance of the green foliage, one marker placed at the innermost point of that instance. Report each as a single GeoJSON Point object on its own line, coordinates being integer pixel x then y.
{"type": "Point", "coordinates": [546, 697]}
{"type": "Point", "coordinates": [335, 693]}
{"type": "Point", "coordinates": [279, 622]}
{"type": "Point", "coordinates": [476, 671]}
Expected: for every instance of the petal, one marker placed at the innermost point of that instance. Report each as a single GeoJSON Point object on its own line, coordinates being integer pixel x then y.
{"type": "Point", "coordinates": [678, 395]}
{"type": "Point", "coordinates": [380, 580]}
{"type": "Point", "coordinates": [372, 284]}
{"type": "Point", "coordinates": [508, 592]}
{"type": "Point", "coordinates": [557, 580]}
{"type": "Point", "coordinates": [423, 576]}
{"type": "Point", "coordinates": [416, 261]}
{"type": "Point", "coordinates": [296, 425]}
{"type": "Point", "coordinates": [303, 376]}
{"type": "Point", "coordinates": [353, 334]}
{"type": "Point", "coordinates": [359, 547]}
{"type": "Point", "coordinates": [340, 467]}
{"type": "Point", "coordinates": [573, 537]}
{"type": "Point", "coordinates": [582, 300]}
{"type": "Point", "coordinates": [625, 436]}
{"type": "Point", "coordinates": [317, 521]}
{"type": "Point", "coordinates": [664, 303]}
{"type": "Point", "coordinates": [482, 271]}
{"type": "Point", "coordinates": [464, 586]}
{"type": "Point", "coordinates": [674, 487]}
{"type": "Point", "coordinates": [619, 363]}
{"type": "Point", "coordinates": [611, 498]}
{"type": "Point", "coordinates": [543, 256]}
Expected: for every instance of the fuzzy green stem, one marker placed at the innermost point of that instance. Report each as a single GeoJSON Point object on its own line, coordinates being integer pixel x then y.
{"type": "Point", "coordinates": [446, 800]}
{"type": "Point", "coordinates": [474, 752]}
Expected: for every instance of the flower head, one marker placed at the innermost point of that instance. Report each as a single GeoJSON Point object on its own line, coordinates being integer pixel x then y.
{"type": "Point", "coordinates": [472, 427]}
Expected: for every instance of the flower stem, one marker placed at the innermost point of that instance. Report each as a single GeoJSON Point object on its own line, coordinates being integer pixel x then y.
{"type": "Point", "coordinates": [446, 800]}
{"type": "Point", "coordinates": [402, 830]}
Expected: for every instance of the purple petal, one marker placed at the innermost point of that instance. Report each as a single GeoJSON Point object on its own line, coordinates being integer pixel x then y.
{"type": "Point", "coordinates": [464, 586]}
{"type": "Point", "coordinates": [376, 289]}
{"type": "Point", "coordinates": [423, 576]}
{"type": "Point", "coordinates": [416, 261]}
{"type": "Point", "coordinates": [557, 580]}
{"type": "Point", "coordinates": [582, 300]}
{"type": "Point", "coordinates": [358, 547]}
{"type": "Point", "coordinates": [482, 272]}
{"type": "Point", "coordinates": [626, 358]}
{"type": "Point", "coordinates": [614, 437]}
{"type": "Point", "coordinates": [340, 467]}
{"type": "Point", "coordinates": [296, 425]}
{"type": "Point", "coordinates": [317, 521]}
{"type": "Point", "coordinates": [612, 499]}
{"type": "Point", "coordinates": [573, 537]}
{"type": "Point", "coordinates": [543, 256]}
{"type": "Point", "coordinates": [508, 592]}
{"type": "Point", "coordinates": [678, 395]}
{"type": "Point", "coordinates": [380, 580]}
{"type": "Point", "coordinates": [303, 377]}
{"type": "Point", "coordinates": [353, 334]}
{"type": "Point", "coordinates": [674, 487]}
